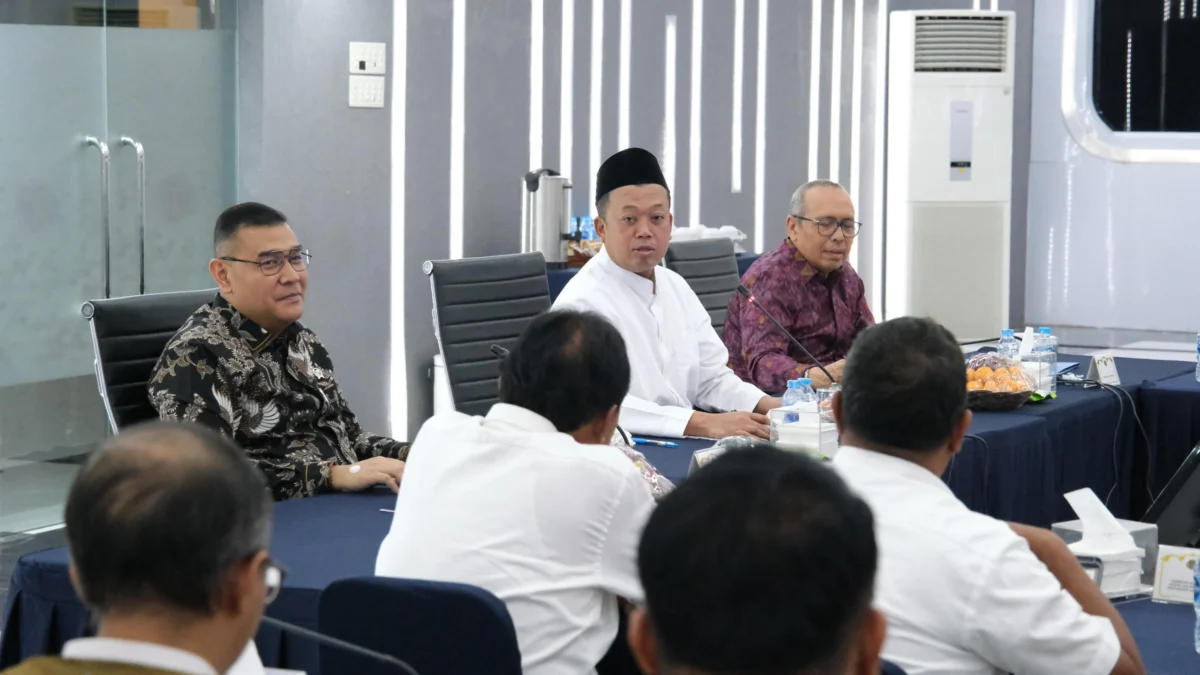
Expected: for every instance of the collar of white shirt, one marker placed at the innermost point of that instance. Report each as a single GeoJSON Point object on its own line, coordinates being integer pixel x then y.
{"type": "Point", "coordinates": [641, 286]}
{"type": "Point", "coordinates": [521, 418]}
{"type": "Point", "coordinates": [859, 461]}
{"type": "Point", "coordinates": [130, 652]}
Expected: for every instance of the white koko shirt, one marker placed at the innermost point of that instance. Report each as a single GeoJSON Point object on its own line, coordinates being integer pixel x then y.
{"type": "Point", "coordinates": [678, 360]}
{"type": "Point", "coordinates": [548, 525]}
{"type": "Point", "coordinates": [962, 592]}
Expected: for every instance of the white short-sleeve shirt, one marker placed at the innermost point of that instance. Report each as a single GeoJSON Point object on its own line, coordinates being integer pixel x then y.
{"type": "Point", "coordinates": [548, 525]}
{"type": "Point", "coordinates": [962, 592]}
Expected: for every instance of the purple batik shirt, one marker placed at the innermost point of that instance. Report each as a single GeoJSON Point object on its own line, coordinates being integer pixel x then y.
{"type": "Point", "coordinates": [824, 313]}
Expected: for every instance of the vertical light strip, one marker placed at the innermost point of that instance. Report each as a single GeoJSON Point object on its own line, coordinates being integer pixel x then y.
{"type": "Point", "coordinates": [537, 54]}
{"type": "Point", "coordinates": [596, 103]}
{"type": "Point", "coordinates": [1166, 10]}
{"type": "Point", "coordinates": [835, 97]}
{"type": "Point", "coordinates": [458, 95]}
{"type": "Point", "coordinates": [1195, 8]}
{"type": "Point", "coordinates": [397, 360]}
{"type": "Point", "coordinates": [760, 130]}
{"type": "Point", "coordinates": [975, 5]}
{"type": "Point", "coordinates": [739, 65]}
{"type": "Point", "coordinates": [814, 92]}
{"type": "Point", "coordinates": [992, 4]}
{"type": "Point", "coordinates": [1182, 9]}
{"type": "Point", "coordinates": [1129, 80]}
{"type": "Point", "coordinates": [623, 82]}
{"type": "Point", "coordinates": [694, 126]}
{"type": "Point", "coordinates": [877, 183]}
{"type": "Point", "coordinates": [566, 114]}
{"type": "Point", "coordinates": [668, 152]}
{"type": "Point", "coordinates": [856, 160]}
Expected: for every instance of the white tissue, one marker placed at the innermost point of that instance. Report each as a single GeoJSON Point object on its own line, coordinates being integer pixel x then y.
{"type": "Point", "coordinates": [1105, 538]}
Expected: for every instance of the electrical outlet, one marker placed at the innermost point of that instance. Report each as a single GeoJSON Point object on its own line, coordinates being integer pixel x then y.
{"type": "Point", "coordinates": [367, 91]}
{"type": "Point", "coordinates": [368, 58]}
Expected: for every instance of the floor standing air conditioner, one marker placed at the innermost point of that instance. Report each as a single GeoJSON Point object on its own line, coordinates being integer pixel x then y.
{"type": "Point", "coordinates": [949, 168]}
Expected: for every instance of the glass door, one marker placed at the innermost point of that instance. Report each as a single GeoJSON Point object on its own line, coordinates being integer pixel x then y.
{"type": "Point", "coordinates": [172, 88]}
{"type": "Point", "coordinates": [148, 78]}
{"type": "Point", "coordinates": [53, 144]}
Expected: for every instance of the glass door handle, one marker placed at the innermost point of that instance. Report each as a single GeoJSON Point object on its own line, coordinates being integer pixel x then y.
{"type": "Point", "coordinates": [103, 148]}
{"type": "Point", "coordinates": [141, 180]}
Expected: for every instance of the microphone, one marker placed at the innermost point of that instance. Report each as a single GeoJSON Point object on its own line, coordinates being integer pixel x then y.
{"type": "Point", "coordinates": [323, 639]}
{"type": "Point", "coordinates": [754, 301]}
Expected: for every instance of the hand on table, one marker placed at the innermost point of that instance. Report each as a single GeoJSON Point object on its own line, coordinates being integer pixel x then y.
{"type": "Point", "coordinates": [720, 425]}
{"type": "Point", "coordinates": [818, 378]}
{"type": "Point", "coordinates": [373, 471]}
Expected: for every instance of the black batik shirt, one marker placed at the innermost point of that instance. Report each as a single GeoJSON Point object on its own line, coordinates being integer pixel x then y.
{"type": "Point", "coordinates": [276, 396]}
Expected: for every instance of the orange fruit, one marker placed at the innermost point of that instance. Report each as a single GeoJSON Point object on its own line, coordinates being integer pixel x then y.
{"type": "Point", "coordinates": [1000, 372]}
{"type": "Point", "coordinates": [974, 385]}
{"type": "Point", "coordinates": [983, 372]}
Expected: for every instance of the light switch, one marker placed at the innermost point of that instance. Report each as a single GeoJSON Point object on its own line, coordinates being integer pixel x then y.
{"type": "Point", "coordinates": [367, 91]}
{"type": "Point", "coordinates": [368, 58]}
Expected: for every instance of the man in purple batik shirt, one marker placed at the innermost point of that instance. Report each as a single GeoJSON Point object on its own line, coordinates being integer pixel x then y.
{"type": "Point", "coordinates": [807, 284]}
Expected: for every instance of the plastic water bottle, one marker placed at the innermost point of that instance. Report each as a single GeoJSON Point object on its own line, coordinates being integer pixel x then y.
{"type": "Point", "coordinates": [587, 228]}
{"type": "Point", "coordinates": [791, 397]}
{"type": "Point", "coordinates": [1198, 357]}
{"type": "Point", "coordinates": [1046, 348]}
{"type": "Point", "coordinates": [807, 395]}
{"type": "Point", "coordinates": [1196, 604]}
{"type": "Point", "coordinates": [1009, 349]}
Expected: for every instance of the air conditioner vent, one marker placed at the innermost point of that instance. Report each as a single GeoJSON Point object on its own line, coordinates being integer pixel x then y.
{"type": "Point", "coordinates": [956, 44]}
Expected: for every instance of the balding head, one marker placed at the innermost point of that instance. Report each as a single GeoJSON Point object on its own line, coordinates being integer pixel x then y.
{"type": "Point", "coordinates": [158, 516]}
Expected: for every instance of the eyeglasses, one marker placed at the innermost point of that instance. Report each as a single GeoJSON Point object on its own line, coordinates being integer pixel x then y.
{"type": "Point", "coordinates": [826, 226]}
{"type": "Point", "coordinates": [273, 576]}
{"type": "Point", "coordinates": [272, 263]}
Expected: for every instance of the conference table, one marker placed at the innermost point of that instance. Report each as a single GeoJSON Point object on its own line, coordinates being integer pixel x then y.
{"type": "Point", "coordinates": [331, 537]}
{"type": "Point", "coordinates": [1016, 465]}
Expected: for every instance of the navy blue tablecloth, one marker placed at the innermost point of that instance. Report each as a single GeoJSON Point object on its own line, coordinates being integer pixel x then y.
{"type": "Point", "coordinates": [1164, 634]}
{"type": "Point", "coordinates": [558, 278]}
{"type": "Point", "coordinates": [1171, 414]}
{"type": "Point", "coordinates": [319, 540]}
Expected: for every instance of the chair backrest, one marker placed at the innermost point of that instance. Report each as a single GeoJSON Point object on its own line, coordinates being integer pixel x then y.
{"type": "Point", "coordinates": [479, 302]}
{"type": "Point", "coordinates": [128, 336]}
{"type": "Point", "coordinates": [438, 628]}
{"type": "Point", "coordinates": [710, 268]}
{"type": "Point", "coordinates": [889, 668]}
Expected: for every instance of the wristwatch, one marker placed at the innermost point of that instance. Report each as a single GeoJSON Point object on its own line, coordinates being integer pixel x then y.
{"type": "Point", "coordinates": [355, 468]}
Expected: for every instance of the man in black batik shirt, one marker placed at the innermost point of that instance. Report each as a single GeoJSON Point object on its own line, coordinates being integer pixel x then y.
{"type": "Point", "coordinates": [244, 365]}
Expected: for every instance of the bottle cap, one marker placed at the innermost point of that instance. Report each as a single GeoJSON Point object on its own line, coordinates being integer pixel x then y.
{"type": "Point", "coordinates": [1007, 332]}
{"type": "Point", "coordinates": [804, 382]}
{"type": "Point", "coordinates": [1043, 331]}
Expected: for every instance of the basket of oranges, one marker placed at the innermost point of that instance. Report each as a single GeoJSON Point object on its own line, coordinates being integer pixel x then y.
{"type": "Point", "coordinates": [996, 383]}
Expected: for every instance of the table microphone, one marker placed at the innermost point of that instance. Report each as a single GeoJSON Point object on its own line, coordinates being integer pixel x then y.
{"type": "Point", "coordinates": [328, 641]}
{"type": "Point", "coordinates": [754, 301]}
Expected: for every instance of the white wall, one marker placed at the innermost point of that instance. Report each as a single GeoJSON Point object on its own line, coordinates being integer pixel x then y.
{"type": "Point", "coordinates": [1110, 244]}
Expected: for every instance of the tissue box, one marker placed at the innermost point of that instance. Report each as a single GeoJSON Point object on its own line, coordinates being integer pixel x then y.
{"type": "Point", "coordinates": [1145, 537]}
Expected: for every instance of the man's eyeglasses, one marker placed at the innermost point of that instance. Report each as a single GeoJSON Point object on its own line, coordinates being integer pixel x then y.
{"type": "Point", "coordinates": [272, 263]}
{"type": "Point", "coordinates": [273, 575]}
{"type": "Point", "coordinates": [827, 226]}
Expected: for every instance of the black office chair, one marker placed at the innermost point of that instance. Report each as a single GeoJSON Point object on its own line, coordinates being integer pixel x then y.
{"type": "Point", "coordinates": [889, 668]}
{"type": "Point", "coordinates": [128, 335]}
{"type": "Point", "coordinates": [479, 302]}
{"type": "Point", "coordinates": [710, 268]}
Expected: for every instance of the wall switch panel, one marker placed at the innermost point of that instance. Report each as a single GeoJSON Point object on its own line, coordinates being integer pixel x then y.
{"type": "Point", "coordinates": [368, 58]}
{"type": "Point", "coordinates": [367, 91]}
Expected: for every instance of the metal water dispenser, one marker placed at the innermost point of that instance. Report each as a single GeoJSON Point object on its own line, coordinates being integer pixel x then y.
{"type": "Point", "coordinates": [546, 215]}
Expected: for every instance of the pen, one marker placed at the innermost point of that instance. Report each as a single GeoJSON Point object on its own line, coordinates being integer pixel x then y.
{"type": "Point", "coordinates": [386, 511]}
{"type": "Point", "coordinates": [661, 444]}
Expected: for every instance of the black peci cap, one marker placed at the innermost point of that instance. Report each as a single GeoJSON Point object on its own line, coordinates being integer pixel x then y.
{"type": "Point", "coordinates": [631, 166]}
